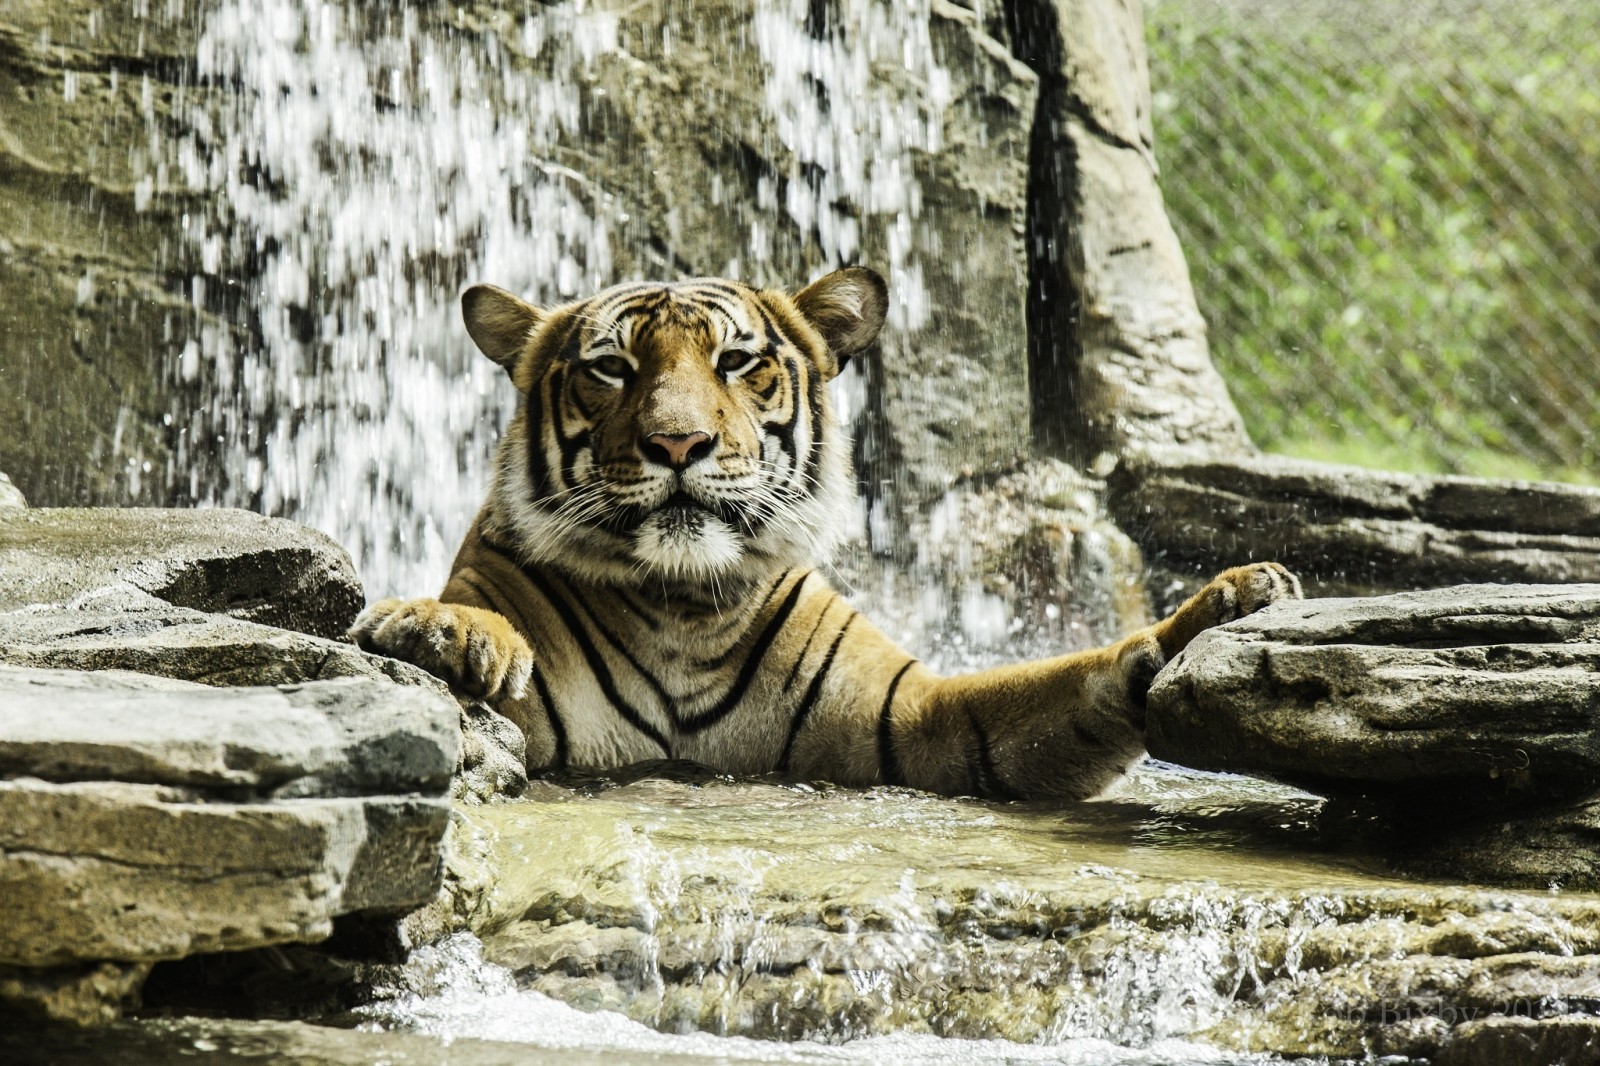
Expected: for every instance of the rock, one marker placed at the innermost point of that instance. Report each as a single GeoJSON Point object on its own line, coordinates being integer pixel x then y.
{"type": "Point", "coordinates": [187, 645]}
{"type": "Point", "coordinates": [236, 563]}
{"type": "Point", "coordinates": [11, 498]}
{"type": "Point", "coordinates": [92, 993]}
{"type": "Point", "coordinates": [1572, 1040]}
{"type": "Point", "coordinates": [493, 755]}
{"type": "Point", "coordinates": [97, 303]}
{"type": "Point", "coordinates": [1343, 528]}
{"type": "Point", "coordinates": [1458, 728]}
{"type": "Point", "coordinates": [145, 818]}
{"type": "Point", "coordinates": [1118, 355]}
{"type": "Point", "coordinates": [139, 873]}
{"type": "Point", "coordinates": [1480, 691]}
{"type": "Point", "coordinates": [348, 737]}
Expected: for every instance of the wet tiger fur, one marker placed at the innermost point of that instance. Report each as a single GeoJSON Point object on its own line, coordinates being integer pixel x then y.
{"type": "Point", "coordinates": [641, 582]}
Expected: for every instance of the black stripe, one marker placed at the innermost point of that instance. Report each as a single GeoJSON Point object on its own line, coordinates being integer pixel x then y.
{"type": "Point", "coordinates": [572, 343]}
{"type": "Point", "coordinates": [783, 432]}
{"type": "Point", "coordinates": [753, 662]}
{"type": "Point", "coordinates": [719, 661]}
{"type": "Point", "coordinates": [814, 451]}
{"type": "Point", "coordinates": [647, 616]}
{"type": "Point", "coordinates": [597, 664]}
{"type": "Point", "coordinates": [812, 692]}
{"type": "Point", "coordinates": [620, 648]}
{"type": "Point", "coordinates": [729, 288]}
{"type": "Point", "coordinates": [555, 719]}
{"type": "Point", "coordinates": [534, 422]}
{"type": "Point", "coordinates": [799, 660]}
{"type": "Point", "coordinates": [888, 762]}
{"type": "Point", "coordinates": [987, 780]}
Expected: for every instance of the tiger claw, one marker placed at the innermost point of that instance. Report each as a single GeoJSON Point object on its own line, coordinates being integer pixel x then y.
{"type": "Point", "coordinates": [471, 649]}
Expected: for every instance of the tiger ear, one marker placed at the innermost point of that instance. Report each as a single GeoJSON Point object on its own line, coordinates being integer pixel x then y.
{"type": "Point", "coordinates": [499, 323]}
{"type": "Point", "coordinates": [847, 308]}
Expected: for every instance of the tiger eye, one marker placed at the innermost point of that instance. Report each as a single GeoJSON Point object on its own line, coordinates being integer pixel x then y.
{"type": "Point", "coordinates": [611, 368]}
{"type": "Point", "coordinates": [737, 361]}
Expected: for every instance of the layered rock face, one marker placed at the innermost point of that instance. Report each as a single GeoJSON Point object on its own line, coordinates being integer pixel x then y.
{"type": "Point", "coordinates": [146, 816]}
{"type": "Point", "coordinates": [1463, 720]}
{"type": "Point", "coordinates": [1347, 530]}
{"type": "Point", "coordinates": [95, 294]}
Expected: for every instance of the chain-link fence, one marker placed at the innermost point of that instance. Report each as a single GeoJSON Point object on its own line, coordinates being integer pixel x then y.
{"type": "Point", "coordinates": [1391, 210]}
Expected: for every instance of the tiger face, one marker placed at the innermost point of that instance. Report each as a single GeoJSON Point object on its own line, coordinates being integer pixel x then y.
{"type": "Point", "coordinates": [678, 432]}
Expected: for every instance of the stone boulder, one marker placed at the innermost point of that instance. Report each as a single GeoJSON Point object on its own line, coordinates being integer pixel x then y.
{"type": "Point", "coordinates": [1348, 529]}
{"type": "Point", "coordinates": [11, 498]}
{"type": "Point", "coordinates": [145, 819]}
{"type": "Point", "coordinates": [133, 632]}
{"type": "Point", "coordinates": [1462, 723]}
{"type": "Point", "coordinates": [235, 563]}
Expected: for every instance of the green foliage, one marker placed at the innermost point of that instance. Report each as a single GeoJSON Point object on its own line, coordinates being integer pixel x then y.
{"type": "Point", "coordinates": [1392, 215]}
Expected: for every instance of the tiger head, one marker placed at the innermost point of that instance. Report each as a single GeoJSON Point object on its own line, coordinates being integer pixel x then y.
{"type": "Point", "coordinates": [679, 432]}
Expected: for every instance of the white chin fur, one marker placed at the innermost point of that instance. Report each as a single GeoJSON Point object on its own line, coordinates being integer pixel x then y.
{"type": "Point", "coordinates": [689, 545]}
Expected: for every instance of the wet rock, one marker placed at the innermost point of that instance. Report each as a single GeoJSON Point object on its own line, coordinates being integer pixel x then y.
{"type": "Point", "coordinates": [1553, 844]}
{"type": "Point", "coordinates": [1571, 1040]}
{"type": "Point", "coordinates": [1345, 528]}
{"type": "Point", "coordinates": [145, 818]}
{"type": "Point", "coordinates": [235, 563]}
{"type": "Point", "coordinates": [206, 1041]}
{"type": "Point", "coordinates": [88, 994]}
{"type": "Point", "coordinates": [94, 300]}
{"type": "Point", "coordinates": [1481, 692]}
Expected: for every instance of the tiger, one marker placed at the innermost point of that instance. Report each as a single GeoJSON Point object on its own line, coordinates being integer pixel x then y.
{"type": "Point", "coordinates": [644, 580]}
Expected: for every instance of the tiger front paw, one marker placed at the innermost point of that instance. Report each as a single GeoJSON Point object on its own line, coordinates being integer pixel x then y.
{"type": "Point", "coordinates": [1231, 594]}
{"type": "Point", "coordinates": [1246, 589]}
{"type": "Point", "coordinates": [471, 649]}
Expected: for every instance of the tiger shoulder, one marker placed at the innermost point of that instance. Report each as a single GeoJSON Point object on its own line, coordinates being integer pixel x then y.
{"type": "Point", "coordinates": [642, 582]}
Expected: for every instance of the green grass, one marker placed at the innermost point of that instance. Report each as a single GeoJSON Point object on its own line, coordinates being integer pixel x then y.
{"type": "Point", "coordinates": [1392, 216]}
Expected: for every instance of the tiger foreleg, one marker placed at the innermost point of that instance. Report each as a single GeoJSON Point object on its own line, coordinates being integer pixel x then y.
{"type": "Point", "coordinates": [1061, 728]}
{"type": "Point", "coordinates": [475, 651]}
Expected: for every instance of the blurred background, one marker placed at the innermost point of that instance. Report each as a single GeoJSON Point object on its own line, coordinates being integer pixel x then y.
{"type": "Point", "coordinates": [1391, 212]}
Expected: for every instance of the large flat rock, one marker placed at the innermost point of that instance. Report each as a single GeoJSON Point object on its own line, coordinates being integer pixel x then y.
{"type": "Point", "coordinates": [346, 737]}
{"type": "Point", "coordinates": [1490, 690]}
{"type": "Point", "coordinates": [236, 563]}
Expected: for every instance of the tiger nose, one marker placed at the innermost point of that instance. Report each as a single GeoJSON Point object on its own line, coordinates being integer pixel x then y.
{"type": "Point", "coordinates": [678, 450]}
